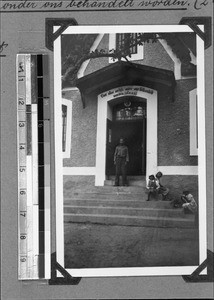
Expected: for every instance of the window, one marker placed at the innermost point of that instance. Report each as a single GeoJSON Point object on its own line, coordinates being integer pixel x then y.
{"type": "Point", "coordinates": [66, 127]}
{"type": "Point", "coordinates": [126, 41]}
{"type": "Point", "coordinates": [129, 111]}
{"type": "Point", "coordinates": [193, 119]}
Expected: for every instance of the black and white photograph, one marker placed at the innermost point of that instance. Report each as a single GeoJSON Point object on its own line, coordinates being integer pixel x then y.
{"type": "Point", "coordinates": [129, 150]}
{"type": "Point", "coordinates": [106, 149]}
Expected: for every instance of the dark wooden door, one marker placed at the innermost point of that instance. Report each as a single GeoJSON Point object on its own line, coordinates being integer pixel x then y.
{"type": "Point", "coordinates": [134, 134]}
{"type": "Point", "coordinates": [144, 147]}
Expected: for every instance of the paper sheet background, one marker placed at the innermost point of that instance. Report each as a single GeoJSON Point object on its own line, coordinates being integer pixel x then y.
{"type": "Point", "coordinates": [25, 33]}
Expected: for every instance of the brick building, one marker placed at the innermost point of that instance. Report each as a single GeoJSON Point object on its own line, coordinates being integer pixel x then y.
{"type": "Point", "coordinates": [150, 100]}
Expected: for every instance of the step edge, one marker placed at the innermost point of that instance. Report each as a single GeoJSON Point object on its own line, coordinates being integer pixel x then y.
{"type": "Point", "coordinates": [125, 208]}
{"type": "Point", "coordinates": [89, 199]}
{"type": "Point", "coordinates": [130, 217]}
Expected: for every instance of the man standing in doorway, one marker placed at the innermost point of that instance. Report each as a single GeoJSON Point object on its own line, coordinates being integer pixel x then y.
{"type": "Point", "coordinates": [121, 158]}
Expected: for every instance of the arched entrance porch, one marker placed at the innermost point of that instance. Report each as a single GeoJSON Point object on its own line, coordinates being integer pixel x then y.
{"type": "Point", "coordinates": [108, 128]}
{"type": "Point", "coordinates": [120, 80]}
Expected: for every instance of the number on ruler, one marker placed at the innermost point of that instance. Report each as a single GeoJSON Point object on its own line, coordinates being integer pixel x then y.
{"type": "Point", "coordinates": [21, 124]}
{"type": "Point", "coordinates": [21, 102]}
{"type": "Point", "coordinates": [22, 193]}
{"type": "Point", "coordinates": [21, 79]}
{"type": "Point", "coordinates": [21, 147]}
{"type": "Point", "coordinates": [23, 213]}
{"type": "Point", "coordinates": [23, 259]}
{"type": "Point", "coordinates": [23, 236]}
{"type": "Point", "coordinates": [22, 169]}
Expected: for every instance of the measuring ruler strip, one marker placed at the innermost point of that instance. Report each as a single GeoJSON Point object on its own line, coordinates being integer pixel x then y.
{"type": "Point", "coordinates": [33, 166]}
{"type": "Point", "coordinates": [47, 225]}
{"type": "Point", "coordinates": [44, 166]}
{"type": "Point", "coordinates": [41, 167]}
{"type": "Point", "coordinates": [30, 271]}
{"type": "Point", "coordinates": [35, 204]}
{"type": "Point", "coordinates": [46, 118]}
{"type": "Point", "coordinates": [22, 178]}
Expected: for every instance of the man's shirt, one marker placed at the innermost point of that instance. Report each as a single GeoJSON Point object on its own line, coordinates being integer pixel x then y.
{"type": "Point", "coordinates": [121, 151]}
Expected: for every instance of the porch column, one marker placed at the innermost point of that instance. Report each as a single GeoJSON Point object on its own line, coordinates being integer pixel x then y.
{"type": "Point", "coordinates": [101, 142]}
{"type": "Point", "coordinates": [152, 134]}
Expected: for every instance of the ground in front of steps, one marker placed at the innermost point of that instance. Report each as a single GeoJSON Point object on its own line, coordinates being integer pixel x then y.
{"type": "Point", "coordinates": [103, 246]}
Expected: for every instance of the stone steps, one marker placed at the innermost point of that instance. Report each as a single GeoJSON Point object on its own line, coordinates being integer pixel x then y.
{"type": "Point", "coordinates": [119, 201]}
{"type": "Point", "coordinates": [132, 177]}
{"type": "Point", "coordinates": [125, 211]}
{"type": "Point", "coordinates": [125, 206]}
{"type": "Point", "coordinates": [130, 183]}
{"type": "Point", "coordinates": [106, 192]}
{"type": "Point", "coordinates": [131, 180]}
{"type": "Point", "coordinates": [121, 220]}
{"type": "Point", "coordinates": [107, 189]}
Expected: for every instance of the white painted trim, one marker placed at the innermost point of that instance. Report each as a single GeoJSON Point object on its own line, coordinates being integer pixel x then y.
{"type": "Point", "coordinates": [58, 153]}
{"type": "Point", "coordinates": [126, 29]}
{"type": "Point", "coordinates": [175, 59]}
{"type": "Point", "coordinates": [146, 271]}
{"type": "Point", "coordinates": [193, 122]}
{"type": "Point", "coordinates": [67, 152]}
{"type": "Point", "coordinates": [101, 142]}
{"type": "Point", "coordinates": [109, 113]}
{"type": "Point", "coordinates": [151, 133]}
{"type": "Point", "coordinates": [193, 57]}
{"type": "Point", "coordinates": [112, 45]}
{"type": "Point", "coordinates": [55, 28]}
{"type": "Point", "coordinates": [86, 62]}
{"type": "Point", "coordinates": [201, 152]}
{"type": "Point", "coordinates": [72, 88]}
{"type": "Point", "coordinates": [86, 171]}
{"type": "Point", "coordinates": [178, 170]}
{"type": "Point", "coordinates": [151, 152]}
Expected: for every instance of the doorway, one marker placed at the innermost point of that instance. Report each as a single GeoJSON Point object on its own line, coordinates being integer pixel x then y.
{"type": "Point", "coordinates": [130, 124]}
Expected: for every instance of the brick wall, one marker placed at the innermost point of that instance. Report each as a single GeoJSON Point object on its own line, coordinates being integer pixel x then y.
{"type": "Point", "coordinates": [178, 183]}
{"type": "Point", "coordinates": [156, 56]}
{"type": "Point", "coordinates": [173, 127]}
{"type": "Point", "coordinates": [75, 183]}
{"type": "Point", "coordinates": [84, 129]}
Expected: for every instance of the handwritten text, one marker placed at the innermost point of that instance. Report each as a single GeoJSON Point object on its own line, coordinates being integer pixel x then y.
{"type": "Point", "coordinates": [2, 47]}
{"type": "Point", "coordinates": [57, 5]}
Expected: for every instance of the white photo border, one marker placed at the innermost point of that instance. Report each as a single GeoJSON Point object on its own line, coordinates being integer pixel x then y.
{"type": "Point", "coordinates": [135, 271]}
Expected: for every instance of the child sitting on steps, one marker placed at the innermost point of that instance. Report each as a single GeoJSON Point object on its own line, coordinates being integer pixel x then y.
{"type": "Point", "coordinates": [162, 190]}
{"type": "Point", "coordinates": [152, 186]}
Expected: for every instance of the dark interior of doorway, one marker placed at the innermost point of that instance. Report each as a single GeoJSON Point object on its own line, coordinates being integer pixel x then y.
{"type": "Point", "coordinates": [133, 133]}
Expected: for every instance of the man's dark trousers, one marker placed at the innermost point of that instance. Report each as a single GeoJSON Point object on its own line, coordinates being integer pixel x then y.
{"type": "Point", "coordinates": [120, 170]}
